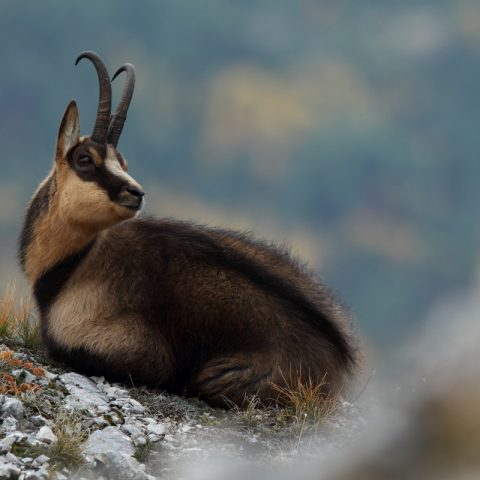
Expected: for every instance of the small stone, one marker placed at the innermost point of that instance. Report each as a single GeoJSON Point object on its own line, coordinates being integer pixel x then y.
{"type": "Point", "coordinates": [130, 429]}
{"type": "Point", "coordinates": [7, 442]}
{"type": "Point", "coordinates": [139, 441]}
{"type": "Point", "coordinates": [108, 439]}
{"type": "Point", "coordinates": [121, 393]}
{"type": "Point", "coordinates": [84, 393]}
{"type": "Point", "coordinates": [78, 380]}
{"type": "Point", "coordinates": [32, 441]}
{"type": "Point", "coordinates": [115, 392]}
{"type": "Point", "coordinates": [9, 471]}
{"type": "Point", "coordinates": [9, 424]}
{"type": "Point", "coordinates": [10, 457]}
{"type": "Point", "coordinates": [46, 435]}
{"type": "Point", "coordinates": [13, 407]}
{"type": "Point", "coordinates": [156, 429]}
{"type": "Point", "coordinates": [154, 438]}
{"type": "Point", "coordinates": [50, 375]}
{"type": "Point", "coordinates": [103, 408]}
{"type": "Point", "coordinates": [41, 459]}
{"type": "Point", "coordinates": [113, 417]}
{"type": "Point", "coordinates": [24, 376]}
{"type": "Point", "coordinates": [40, 474]}
{"type": "Point", "coordinates": [38, 420]}
{"type": "Point", "coordinates": [138, 409]}
{"type": "Point", "coordinates": [115, 450]}
{"type": "Point", "coordinates": [99, 380]}
{"type": "Point", "coordinates": [101, 422]}
{"type": "Point", "coordinates": [122, 467]}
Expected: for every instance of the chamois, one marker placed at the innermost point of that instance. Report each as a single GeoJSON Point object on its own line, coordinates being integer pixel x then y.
{"type": "Point", "coordinates": [191, 309]}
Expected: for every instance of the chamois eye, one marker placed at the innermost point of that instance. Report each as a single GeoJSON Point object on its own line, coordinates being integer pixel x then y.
{"type": "Point", "coordinates": [84, 162]}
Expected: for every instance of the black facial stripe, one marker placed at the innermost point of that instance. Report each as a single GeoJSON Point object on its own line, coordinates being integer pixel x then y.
{"type": "Point", "coordinates": [84, 149]}
{"type": "Point", "coordinates": [109, 182]}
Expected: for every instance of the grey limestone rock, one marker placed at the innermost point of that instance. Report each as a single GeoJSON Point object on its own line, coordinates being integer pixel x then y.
{"type": "Point", "coordinates": [41, 459]}
{"type": "Point", "coordinates": [108, 439]}
{"type": "Point", "coordinates": [38, 420]}
{"type": "Point", "coordinates": [114, 450]}
{"type": "Point", "coordinates": [24, 375]}
{"type": "Point", "coordinates": [7, 442]}
{"type": "Point", "coordinates": [8, 471]}
{"type": "Point", "coordinates": [156, 429]}
{"type": "Point", "coordinates": [46, 435]}
{"type": "Point", "coordinates": [131, 429]}
{"type": "Point", "coordinates": [9, 424]}
{"type": "Point", "coordinates": [40, 474]}
{"type": "Point", "coordinates": [84, 393]}
{"type": "Point", "coordinates": [12, 406]}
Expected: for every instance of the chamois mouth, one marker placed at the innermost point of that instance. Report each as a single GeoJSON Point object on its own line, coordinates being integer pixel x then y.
{"type": "Point", "coordinates": [131, 197]}
{"type": "Point", "coordinates": [133, 208]}
{"type": "Point", "coordinates": [133, 205]}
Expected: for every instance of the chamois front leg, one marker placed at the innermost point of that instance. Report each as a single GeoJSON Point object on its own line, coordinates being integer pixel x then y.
{"type": "Point", "coordinates": [232, 379]}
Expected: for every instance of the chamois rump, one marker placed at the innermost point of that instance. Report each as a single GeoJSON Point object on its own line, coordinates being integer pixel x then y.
{"type": "Point", "coordinates": [191, 309]}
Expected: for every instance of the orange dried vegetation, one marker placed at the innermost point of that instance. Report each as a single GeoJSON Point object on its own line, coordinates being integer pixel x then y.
{"type": "Point", "coordinates": [8, 383]}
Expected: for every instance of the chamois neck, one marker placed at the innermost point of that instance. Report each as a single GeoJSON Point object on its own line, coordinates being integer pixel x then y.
{"type": "Point", "coordinates": [47, 237]}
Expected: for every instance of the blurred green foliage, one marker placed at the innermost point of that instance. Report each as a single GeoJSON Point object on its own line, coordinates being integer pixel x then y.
{"type": "Point", "coordinates": [353, 123]}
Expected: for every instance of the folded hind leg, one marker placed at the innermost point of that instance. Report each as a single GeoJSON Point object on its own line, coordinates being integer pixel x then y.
{"type": "Point", "coordinates": [233, 379]}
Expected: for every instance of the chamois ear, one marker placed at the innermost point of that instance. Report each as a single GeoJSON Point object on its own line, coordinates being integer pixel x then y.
{"type": "Point", "coordinates": [69, 131]}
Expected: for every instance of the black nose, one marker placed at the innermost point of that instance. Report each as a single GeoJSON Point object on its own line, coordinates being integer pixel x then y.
{"type": "Point", "coordinates": [136, 192]}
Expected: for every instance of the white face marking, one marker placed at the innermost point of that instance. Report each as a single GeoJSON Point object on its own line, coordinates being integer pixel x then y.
{"type": "Point", "coordinates": [113, 166]}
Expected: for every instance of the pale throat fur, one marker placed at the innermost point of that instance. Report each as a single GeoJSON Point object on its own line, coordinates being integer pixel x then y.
{"type": "Point", "coordinates": [73, 214]}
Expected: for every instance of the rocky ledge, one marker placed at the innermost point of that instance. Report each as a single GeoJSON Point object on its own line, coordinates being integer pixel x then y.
{"type": "Point", "coordinates": [110, 425]}
{"type": "Point", "coordinates": [58, 424]}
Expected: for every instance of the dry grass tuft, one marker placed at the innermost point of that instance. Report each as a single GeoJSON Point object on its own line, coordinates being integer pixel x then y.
{"type": "Point", "coordinates": [7, 314]}
{"type": "Point", "coordinates": [18, 324]}
{"type": "Point", "coordinates": [251, 411]}
{"type": "Point", "coordinates": [67, 451]}
{"type": "Point", "coordinates": [301, 407]}
{"type": "Point", "coordinates": [306, 404]}
{"type": "Point", "coordinates": [253, 415]}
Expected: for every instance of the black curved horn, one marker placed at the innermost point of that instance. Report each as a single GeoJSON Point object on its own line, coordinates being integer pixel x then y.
{"type": "Point", "coordinates": [120, 115]}
{"type": "Point", "coordinates": [100, 130]}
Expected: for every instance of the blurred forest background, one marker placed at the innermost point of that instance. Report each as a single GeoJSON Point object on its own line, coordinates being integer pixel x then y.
{"type": "Point", "coordinates": [349, 130]}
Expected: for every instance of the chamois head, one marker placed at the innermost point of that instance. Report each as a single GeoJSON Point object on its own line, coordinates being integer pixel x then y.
{"type": "Point", "coordinates": [93, 187]}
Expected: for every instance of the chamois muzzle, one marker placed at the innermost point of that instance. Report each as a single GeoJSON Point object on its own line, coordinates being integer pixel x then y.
{"type": "Point", "coordinates": [131, 197]}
